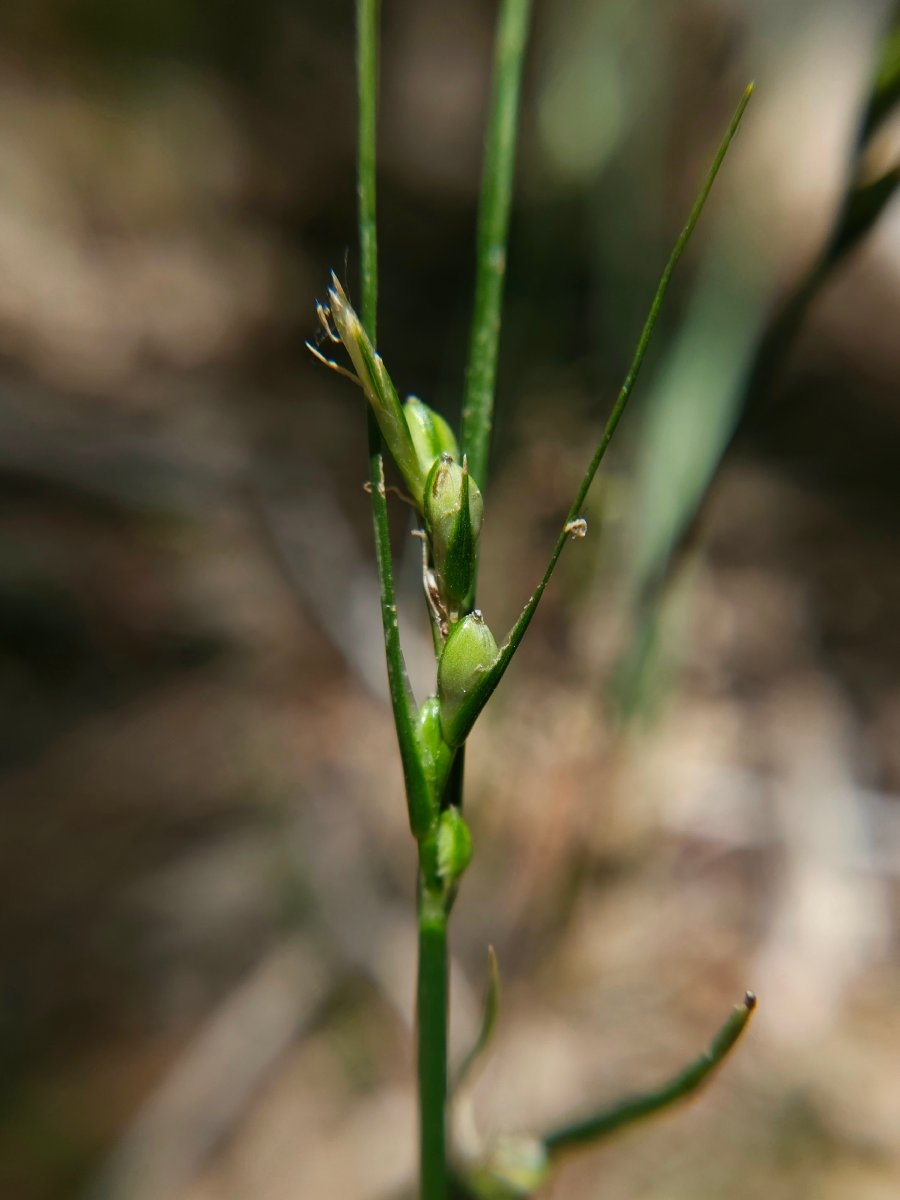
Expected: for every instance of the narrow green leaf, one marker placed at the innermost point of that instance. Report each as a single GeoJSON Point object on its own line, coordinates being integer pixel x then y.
{"type": "Point", "coordinates": [863, 206]}
{"type": "Point", "coordinates": [864, 200]}
{"type": "Point", "coordinates": [885, 91]}
{"type": "Point", "coordinates": [599, 1125]}
{"type": "Point", "coordinates": [471, 705]}
{"type": "Point", "coordinates": [489, 1013]}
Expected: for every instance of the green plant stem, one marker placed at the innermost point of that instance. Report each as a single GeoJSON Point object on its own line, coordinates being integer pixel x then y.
{"type": "Point", "coordinates": [418, 795]}
{"type": "Point", "coordinates": [493, 228]}
{"type": "Point", "coordinates": [473, 706]}
{"type": "Point", "coordinates": [402, 701]}
{"type": "Point", "coordinates": [367, 19]}
{"type": "Point", "coordinates": [453, 793]}
{"type": "Point", "coordinates": [431, 999]}
{"type": "Point", "coordinates": [431, 1009]}
{"type": "Point", "coordinates": [601, 1124]}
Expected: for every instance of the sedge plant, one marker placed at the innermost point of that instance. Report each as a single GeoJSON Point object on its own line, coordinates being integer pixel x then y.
{"type": "Point", "coordinates": [445, 476]}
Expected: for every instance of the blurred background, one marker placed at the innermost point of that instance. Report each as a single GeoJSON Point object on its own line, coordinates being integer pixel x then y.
{"type": "Point", "coordinates": [689, 782]}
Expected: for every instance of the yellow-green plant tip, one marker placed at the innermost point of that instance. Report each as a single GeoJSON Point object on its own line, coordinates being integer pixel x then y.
{"type": "Point", "coordinates": [437, 755]}
{"type": "Point", "coordinates": [454, 847]}
{"type": "Point", "coordinates": [454, 511]}
{"type": "Point", "coordinates": [378, 388]}
{"type": "Point", "coordinates": [516, 1166]}
{"type": "Point", "coordinates": [431, 434]}
{"type": "Point", "coordinates": [469, 653]}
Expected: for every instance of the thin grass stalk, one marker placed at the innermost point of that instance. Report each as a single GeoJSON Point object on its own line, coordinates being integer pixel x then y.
{"type": "Point", "coordinates": [493, 231]}
{"type": "Point", "coordinates": [402, 703]}
{"type": "Point", "coordinates": [367, 23]}
{"type": "Point", "coordinates": [432, 1014]}
{"type": "Point", "coordinates": [493, 228]}
{"type": "Point", "coordinates": [432, 989]}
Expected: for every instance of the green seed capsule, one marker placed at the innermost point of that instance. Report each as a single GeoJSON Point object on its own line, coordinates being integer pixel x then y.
{"type": "Point", "coordinates": [469, 653]}
{"type": "Point", "coordinates": [453, 514]}
{"type": "Point", "coordinates": [431, 434]}
{"type": "Point", "coordinates": [437, 755]}
{"type": "Point", "coordinates": [454, 846]}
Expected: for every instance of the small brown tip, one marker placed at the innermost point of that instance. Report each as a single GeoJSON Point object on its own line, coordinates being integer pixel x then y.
{"type": "Point", "coordinates": [750, 1001]}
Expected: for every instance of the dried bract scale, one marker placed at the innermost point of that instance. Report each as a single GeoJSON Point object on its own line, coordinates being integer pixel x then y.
{"type": "Point", "coordinates": [577, 528]}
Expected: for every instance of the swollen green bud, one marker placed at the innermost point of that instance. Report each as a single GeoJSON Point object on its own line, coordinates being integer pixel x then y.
{"type": "Point", "coordinates": [378, 388]}
{"type": "Point", "coordinates": [454, 846]}
{"type": "Point", "coordinates": [469, 653]}
{"type": "Point", "coordinates": [431, 434]}
{"type": "Point", "coordinates": [453, 513]}
{"type": "Point", "coordinates": [437, 756]}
